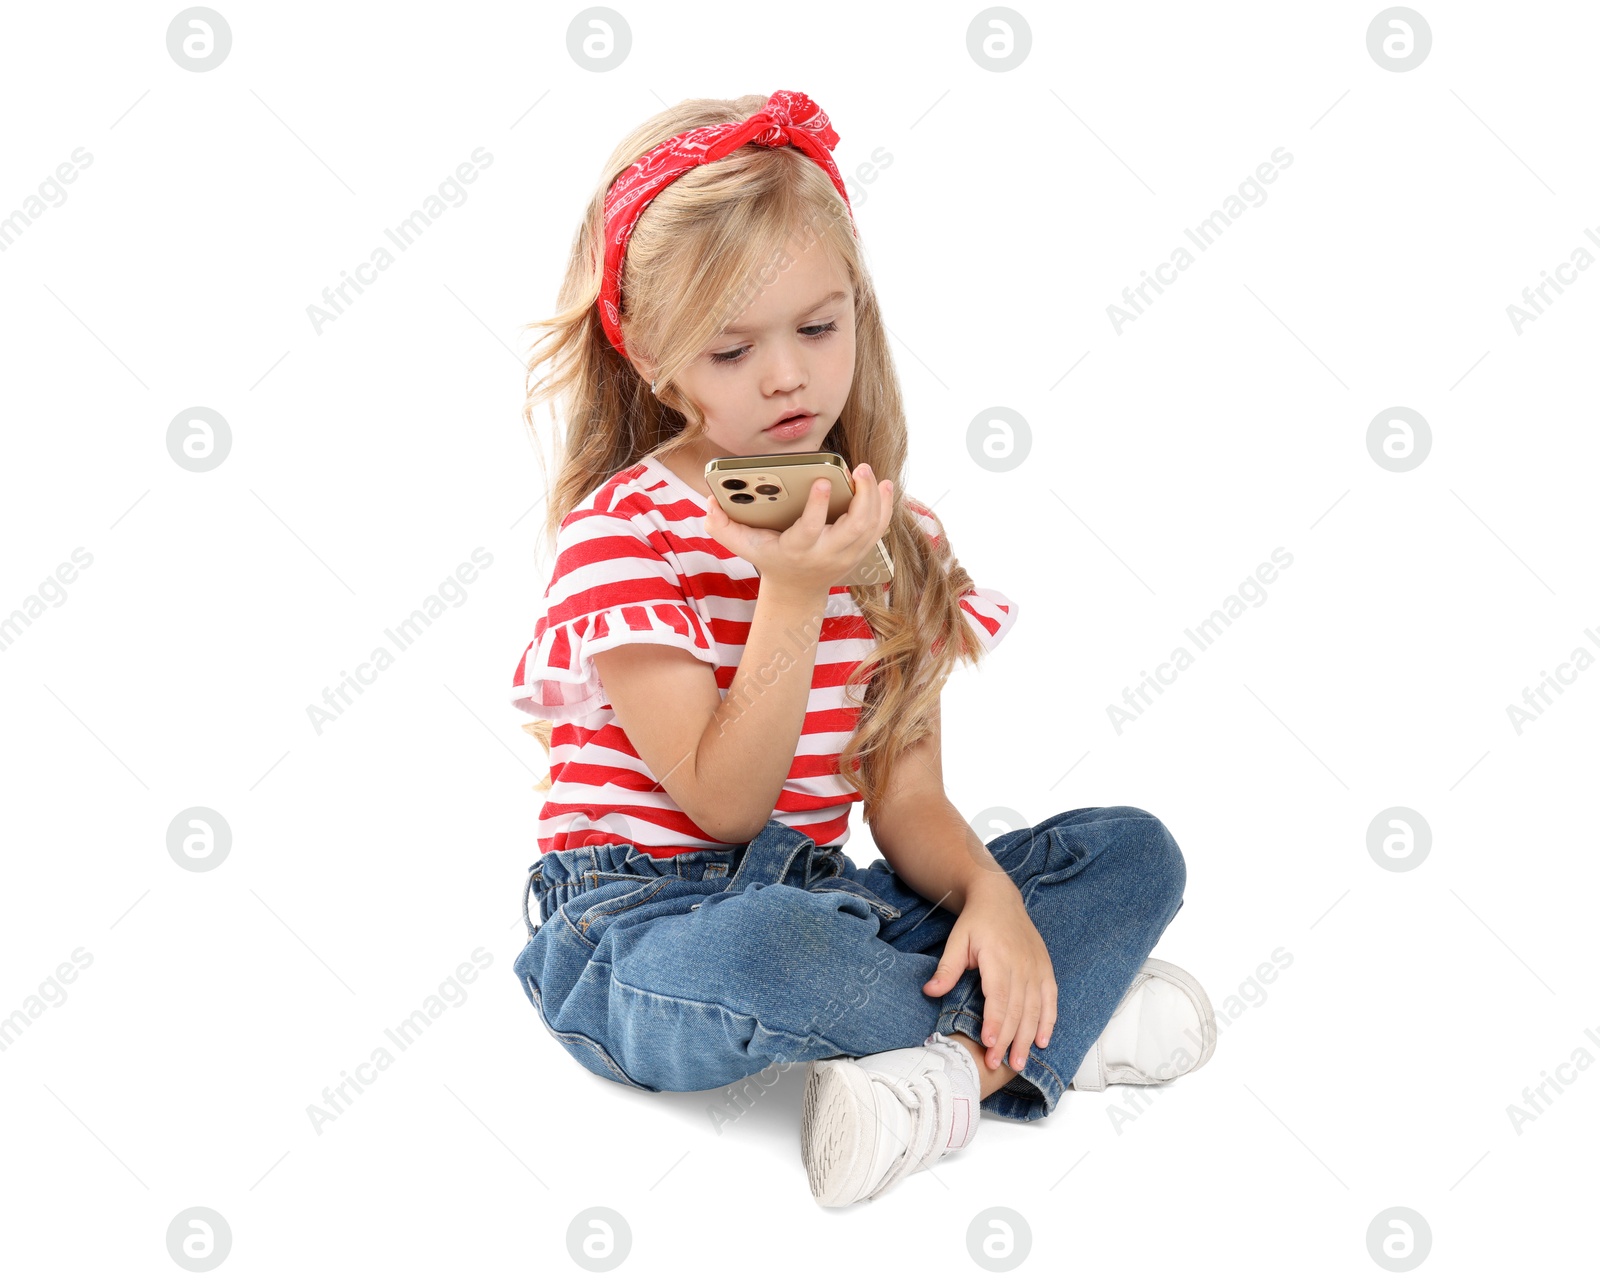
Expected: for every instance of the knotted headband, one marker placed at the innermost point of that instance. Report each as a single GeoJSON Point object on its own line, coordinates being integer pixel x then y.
{"type": "Point", "coordinates": [787, 119]}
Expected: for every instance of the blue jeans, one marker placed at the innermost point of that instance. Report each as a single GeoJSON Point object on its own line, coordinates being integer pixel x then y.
{"type": "Point", "coordinates": [694, 971]}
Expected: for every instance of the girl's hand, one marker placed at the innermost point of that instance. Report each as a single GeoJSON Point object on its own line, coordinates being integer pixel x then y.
{"type": "Point", "coordinates": [812, 555]}
{"type": "Point", "coordinates": [994, 935]}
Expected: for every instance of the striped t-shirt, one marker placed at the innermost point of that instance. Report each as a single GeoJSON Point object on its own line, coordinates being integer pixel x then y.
{"type": "Point", "coordinates": [634, 564]}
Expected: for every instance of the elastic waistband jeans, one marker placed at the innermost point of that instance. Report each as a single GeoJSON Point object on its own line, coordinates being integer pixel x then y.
{"type": "Point", "coordinates": [695, 971]}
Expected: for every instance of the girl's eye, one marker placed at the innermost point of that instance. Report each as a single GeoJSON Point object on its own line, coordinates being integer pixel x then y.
{"type": "Point", "coordinates": [733, 357]}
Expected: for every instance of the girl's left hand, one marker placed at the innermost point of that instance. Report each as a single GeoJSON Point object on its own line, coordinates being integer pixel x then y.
{"type": "Point", "coordinates": [994, 935]}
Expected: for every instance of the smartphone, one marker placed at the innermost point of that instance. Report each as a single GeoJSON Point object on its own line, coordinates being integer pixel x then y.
{"type": "Point", "coordinates": [769, 491]}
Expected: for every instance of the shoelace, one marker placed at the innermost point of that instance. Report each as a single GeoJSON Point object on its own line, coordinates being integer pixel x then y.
{"type": "Point", "coordinates": [922, 1094]}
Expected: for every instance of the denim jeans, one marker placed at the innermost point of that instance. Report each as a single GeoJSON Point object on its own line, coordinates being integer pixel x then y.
{"type": "Point", "coordinates": [695, 971]}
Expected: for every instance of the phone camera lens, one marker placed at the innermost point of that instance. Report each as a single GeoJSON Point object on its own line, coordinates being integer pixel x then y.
{"type": "Point", "coordinates": [766, 488]}
{"type": "Point", "coordinates": [743, 497]}
{"type": "Point", "coordinates": [733, 484]}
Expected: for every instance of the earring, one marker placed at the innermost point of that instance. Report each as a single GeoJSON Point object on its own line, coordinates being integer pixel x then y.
{"type": "Point", "coordinates": [652, 386]}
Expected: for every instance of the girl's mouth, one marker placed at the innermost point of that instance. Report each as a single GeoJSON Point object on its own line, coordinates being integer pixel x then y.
{"type": "Point", "coordinates": [791, 428]}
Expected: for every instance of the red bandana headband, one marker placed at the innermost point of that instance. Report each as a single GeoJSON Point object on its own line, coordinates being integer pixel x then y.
{"type": "Point", "coordinates": [788, 119]}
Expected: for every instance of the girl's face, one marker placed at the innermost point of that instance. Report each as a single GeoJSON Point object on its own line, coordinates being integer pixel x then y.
{"type": "Point", "coordinates": [793, 348]}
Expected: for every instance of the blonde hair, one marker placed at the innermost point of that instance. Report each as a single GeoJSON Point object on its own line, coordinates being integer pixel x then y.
{"type": "Point", "coordinates": [693, 264]}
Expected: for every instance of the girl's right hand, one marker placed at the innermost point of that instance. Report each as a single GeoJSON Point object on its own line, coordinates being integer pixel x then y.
{"type": "Point", "coordinates": [812, 555]}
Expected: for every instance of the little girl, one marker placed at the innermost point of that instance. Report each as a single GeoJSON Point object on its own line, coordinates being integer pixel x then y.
{"type": "Point", "coordinates": [713, 704]}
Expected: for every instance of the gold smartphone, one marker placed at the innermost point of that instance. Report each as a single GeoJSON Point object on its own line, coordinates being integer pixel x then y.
{"type": "Point", "coordinates": [769, 491]}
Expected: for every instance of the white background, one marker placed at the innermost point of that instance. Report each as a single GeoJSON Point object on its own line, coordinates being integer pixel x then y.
{"type": "Point", "coordinates": [371, 859]}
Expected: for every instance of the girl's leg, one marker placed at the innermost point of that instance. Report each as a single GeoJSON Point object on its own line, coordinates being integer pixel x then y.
{"type": "Point", "coordinates": [693, 981]}
{"type": "Point", "coordinates": [1101, 885]}
{"type": "Point", "coordinates": [663, 982]}
{"type": "Point", "coordinates": [989, 1078]}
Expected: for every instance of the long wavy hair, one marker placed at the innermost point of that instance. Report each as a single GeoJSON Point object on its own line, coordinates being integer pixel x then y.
{"type": "Point", "coordinates": [691, 268]}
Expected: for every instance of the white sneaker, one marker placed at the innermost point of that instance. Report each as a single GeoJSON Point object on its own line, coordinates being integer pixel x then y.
{"type": "Point", "coordinates": [868, 1122]}
{"type": "Point", "coordinates": [1163, 1028]}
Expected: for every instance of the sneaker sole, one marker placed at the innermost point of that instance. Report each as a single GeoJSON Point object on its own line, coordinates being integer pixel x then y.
{"type": "Point", "coordinates": [833, 1126]}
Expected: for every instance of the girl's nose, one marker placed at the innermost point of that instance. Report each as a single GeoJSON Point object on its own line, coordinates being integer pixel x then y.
{"type": "Point", "coordinates": [786, 371]}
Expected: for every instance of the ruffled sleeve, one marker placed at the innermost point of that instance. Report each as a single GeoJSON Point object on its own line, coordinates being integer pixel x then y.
{"type": "Point", "coordinates": [610, 587]}
{"type": "Point", "coordinates": [992, 614]}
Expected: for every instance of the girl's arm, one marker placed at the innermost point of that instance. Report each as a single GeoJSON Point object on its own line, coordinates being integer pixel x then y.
{"type": "Point", "coordinates": [923, 836]}
{"type": "Point", "coordinates": [723, 760]}
{"type": "Point", "coordinates": [933, 849]}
